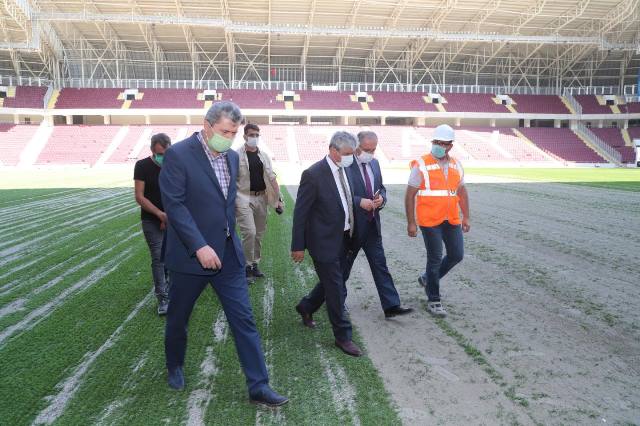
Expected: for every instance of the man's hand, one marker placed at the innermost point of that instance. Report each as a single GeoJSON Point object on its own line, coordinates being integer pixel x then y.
{"type": "Point", "coordinates": [297, 256]}
{"type": "Point", "coordinates": [378, 201]}
{"type": "Point", "coordinates": [412, 230]}
{"type": "Point", "coordinates": [466, 226]}
{"type": "Point", "coordinates": [163, 220]}
{"type": "Point", "coordinates": [280, 204]}
{"type": "Point", "coordinates": [208, 258]}
{"type": "Point", "coordinates": [367, 204]}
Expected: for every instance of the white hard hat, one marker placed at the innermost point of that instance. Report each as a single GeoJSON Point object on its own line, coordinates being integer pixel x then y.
{"type": "Point", "coordinates": [443, 133]}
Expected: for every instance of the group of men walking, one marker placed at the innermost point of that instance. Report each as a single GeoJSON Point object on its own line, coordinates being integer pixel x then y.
{"type": "Point", "coordinates": [193, 195]}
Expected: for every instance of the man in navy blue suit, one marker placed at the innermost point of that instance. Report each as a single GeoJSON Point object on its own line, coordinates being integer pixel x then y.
{"type": "Point", "coordinates": [198, 187]}
{"type": "Point", "coordinates": [369, 197]}
{"type": "Point", "coordinates": [323, 223]}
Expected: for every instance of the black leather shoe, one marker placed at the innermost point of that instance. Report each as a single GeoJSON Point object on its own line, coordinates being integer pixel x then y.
{"type": "Point", "coordinates": [396, 310]}
{"type": "Point", "coordinates": [307, 319]}
{"type": "Point", "coordinates": [269, 397]}
{"type": "Point", "coordinates": [256, 272]}
{"type": "Point", "coordinates": [349, 348]}
{"type": "Point", "coordinates": [176, 378]}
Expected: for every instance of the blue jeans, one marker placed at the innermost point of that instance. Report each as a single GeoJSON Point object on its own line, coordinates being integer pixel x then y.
{"type": "Point", "coordinates": [438, 266]}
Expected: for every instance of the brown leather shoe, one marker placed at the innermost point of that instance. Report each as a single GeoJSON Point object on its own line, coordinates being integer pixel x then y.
{"type": "Point", "coordinates": [349, 348]}
{"type": "Point", "coordinates": [307, 319]}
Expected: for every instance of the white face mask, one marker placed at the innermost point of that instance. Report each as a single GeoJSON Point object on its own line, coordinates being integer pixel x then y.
{"type": "Point", "coordinates": [252, 141]}
{"type": "Point", "coordinates": [346, 160]}
{"type": "Point", "coordinates": [365, 157]}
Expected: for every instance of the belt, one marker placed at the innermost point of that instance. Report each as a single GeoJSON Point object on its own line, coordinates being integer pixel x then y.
{"type": "Point", "coordinates": [256, 193]}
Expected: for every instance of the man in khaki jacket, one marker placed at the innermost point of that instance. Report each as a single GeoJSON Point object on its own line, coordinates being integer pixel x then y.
{"type": "Point", "coordinates": [257, 189]}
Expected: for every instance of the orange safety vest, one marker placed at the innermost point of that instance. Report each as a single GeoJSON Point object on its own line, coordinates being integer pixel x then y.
{"type": "Point", "coordinates": [437, 199]}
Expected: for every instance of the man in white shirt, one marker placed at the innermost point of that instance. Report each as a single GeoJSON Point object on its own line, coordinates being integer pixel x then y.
{"type": "Point", "coordinates": [323, 223]}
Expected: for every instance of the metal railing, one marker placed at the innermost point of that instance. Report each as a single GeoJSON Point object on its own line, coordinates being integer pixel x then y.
{"type": "Point", "coordinates": [574, 103]}
{"type": "Point", "coordinates": [599, 143]}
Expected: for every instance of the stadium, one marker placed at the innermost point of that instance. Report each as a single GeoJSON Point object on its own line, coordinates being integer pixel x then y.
{"type": "Point", "coordinates": [544, 98]}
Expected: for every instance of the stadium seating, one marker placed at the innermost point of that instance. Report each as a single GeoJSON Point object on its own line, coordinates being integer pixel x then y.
{"type": "Point", "coordinates": [310, 99]}
{"type": "Point", "coordinates": [275, 138]}
{"type": "Point", "coordinates": [590, 105]}
{"type": "Point", "coordinates": [562, 143]}
{"type": "Point", "coordinates": [539, 104]}
{"type": "Point", "coordinates": [76, 145]}
{"type": "Point", "coordinates": [26, 97]}
{"type": "Point", "coordinates": [471, 102]}
{"type": "Point", "coordinates": [13, 140]}
{"type": "Point", "coordinates": [256, 99]}
{"type": "Point", "coordinates": [89, 98]}
{"type": "Point", "coordinates": [613, 137]}
{"type": "Point", "coordinates": [631, 108]}
{"type": "Point", "coordinates": [168, 98]}
{"type": "Point", "coordinates": [397, 101]}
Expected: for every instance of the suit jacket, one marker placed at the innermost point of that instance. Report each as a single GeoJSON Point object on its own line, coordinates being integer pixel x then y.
{"type": "Point", "coordinates": [318, 217]}
{"type": "Point", "coordinates": [360, 191]}
{"type": "Point", "coordinates": [198, 214]}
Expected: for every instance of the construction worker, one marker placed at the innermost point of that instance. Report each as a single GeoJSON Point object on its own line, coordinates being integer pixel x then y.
{"type": "Point", "coordinates": [437, 183]}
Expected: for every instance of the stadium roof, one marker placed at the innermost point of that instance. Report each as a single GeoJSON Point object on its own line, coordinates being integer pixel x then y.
{"type": "Point", "coordinates": [543, 42]}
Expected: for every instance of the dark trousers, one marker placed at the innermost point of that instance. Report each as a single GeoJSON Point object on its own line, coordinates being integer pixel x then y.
{"type": "Point", "coordinates": [332, 289]}
{"type": "Point", "coordinates": [154, 237]}
{"type": "Point", "coordinates": [373, 249]}
{"type": "Point", "coordinates": [438, 266]}
{"type": "Point", "coordinates": [230, 284]}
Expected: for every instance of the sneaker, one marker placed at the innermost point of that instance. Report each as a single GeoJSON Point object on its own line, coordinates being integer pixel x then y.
{"type": "Point", "coordinates": [422, 281]}
{"type": "Point", "coordinates": [163, 306]}
{"type": "Point", "coordinates": [436, 309]}
{"type": "Point", "coordinates": [257, 272]}
{"type": "Point", "coordinates": [250, 276]}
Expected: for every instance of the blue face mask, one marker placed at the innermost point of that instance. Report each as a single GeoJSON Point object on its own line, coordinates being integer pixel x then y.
{"type": "Point", "coordinates": [438, 151]}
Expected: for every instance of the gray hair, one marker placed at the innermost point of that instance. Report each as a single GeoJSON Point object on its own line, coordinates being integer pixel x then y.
{"type": "Point", "coordinates": [224, 109]}
{"type": "Point", "coordinates": [341, 139]}
{"type": "Point", "coordinates": [366, 134]}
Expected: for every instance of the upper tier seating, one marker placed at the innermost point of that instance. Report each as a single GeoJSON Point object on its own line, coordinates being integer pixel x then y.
{"type": "Point", "coordinates": [26, 97]}
{"type": "Point", "coordinates": [472, 102]}
{"type": "Point", "coordinates": [539, 104]}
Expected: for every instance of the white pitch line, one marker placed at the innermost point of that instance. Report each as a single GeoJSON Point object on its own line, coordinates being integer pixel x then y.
{"type": "Point", "coordinates": [341, 390]}
{"type": "Point", "coordinates": [19, 304]}
{"type": "Point", "coordinates": [200, 398]}
{"type": "Point", "coordinates": [69, 387]}
{"type": "Point", "coordinates": [53, 217]}
{"type": "Point", "coordinates": [25, 214]}
{"type": "Point", "coordinates": [29, 240]}
{"type": "Point", "coordinates": [42, 312]}
{"type": "Point", "coordinates": [79, 251]}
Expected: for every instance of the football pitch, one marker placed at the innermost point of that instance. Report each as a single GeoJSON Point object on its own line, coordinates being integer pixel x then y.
{"type": "Point", "coordinates": [80, 342]}
{"type": "Point", "coordinates": [542, 327]}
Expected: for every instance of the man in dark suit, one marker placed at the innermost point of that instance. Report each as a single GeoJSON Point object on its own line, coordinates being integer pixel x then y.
{"type": "Point", "coordinates": [198, 187]}
{"type": "Point", "coordinates": [323, 223]}
{"type": "Point", "coordinates": [369, 197]}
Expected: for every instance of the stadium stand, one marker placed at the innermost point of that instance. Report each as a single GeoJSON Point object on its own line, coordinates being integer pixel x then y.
{"type": "Point", "coordinates": [257, 99]}
{"type": "Point", "coordinates": [71, 98]}
{"type": "Point", "coordinates": [399, 101]}
{"type": "Point", "coordinates": [613, 137]}
{"type": "Point", "coordinates": [168, 98]}
{"type": "Point", "coordinates": [590, 105]}
{"type": "Point", "coordinates": [562, 143]}
{"type": "Point", "coordinates": [631, 108]}
{"type": "Point", "coordinates": [470, 102]}
{"type": "Point", "coordinates": [275, 138]}
{"type": "Point", "coordinates": [76, 145]}
{"type": "Point", "coordinates": [539, 104]}
{"type": "Point", "coordinates": [26, 97]}
{"type": "Point", "coordinates": [13, 139]}
{"type": "Point", "coordinates": [310, 99]}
